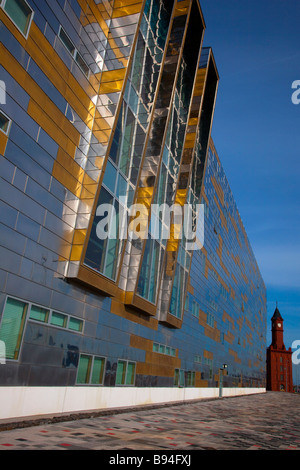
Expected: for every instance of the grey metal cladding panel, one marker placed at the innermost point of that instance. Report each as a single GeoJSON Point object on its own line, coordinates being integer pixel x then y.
{"type": "Point", "coordinates": [66, 304]}
{"type": "Point", "coordinates": [27, 290]}
{"type": "Point", "coordinates": [58, 190]}
{"type": "Point", "coordinates": [50, 35]}
{"type": "Point", "coordinates": [46, 336]}
{"type": "Point", "coordinates": [47, 376]}
{"type": "Point", "coordinates": [12, 240]}
{"type": "Point", "coordinates": [75, 7]}
{"type": "Point", "coordinates": [42, 355]}
{"type": "Point", "coordinates": [49, 240]}
{"type": "Point", "coordinates": [20, 180]}
{"type": "Point", "coordinates": [44, 198]}
{"type": "Point", "coordinates": [45, 84]}
{"type": "Point", "coordinates": [26, 268]}
{"type": "Point", "coordinates": [42, 275]}
{"type": "Point", "coordinates": [58, 226]}
{"type": "Point", "coordinates": [28, 227]}
{"type": "Point", "coordinates": [47, 143]}
{"type": "Point", "coordinates": [12, 44]}
{"type": "Point", "coordinates": [41, 255]}
{"type": "Point", "coordinates": [31, 148]}
{"type": "Point", "coordinates": [7, 169]}
{"type": "Point", "coordinates": [21, 118]}
{"type": "Point", "coordinates": [9, 261]}
{"type": "Point", "coordinates": [3, 277]}
{"type": "Point", "coordinates": [74, 291]}
{"type": "Point", "coordinates": [90, 329]}
{"type": "Point", "coordinates": [23, 161]}
{"type": "Point", "coordinates": [14, 374]}
{"type": "Point", "coordinates": [21, 202]}
{"type": "Point", "coordinates": [8, 215]}
{"type": "Point", "coordinates": [91, 314]}
{"type": "Point", "coordinates": [47, 11]}
{"type": "Point", "coordinates": [14, 92]}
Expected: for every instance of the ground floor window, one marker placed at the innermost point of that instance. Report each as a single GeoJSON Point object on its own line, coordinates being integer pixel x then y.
{"type": "Point", "coordinates": [12, 327]}
{"type": "Point", "coordinates": [179, 378]}
{"type": "Point", "coordinates": [90, 370]}
{"type": "Point", "coordinates": [125, 373]}
{"type": "Point", "coordinates": [183, 378]}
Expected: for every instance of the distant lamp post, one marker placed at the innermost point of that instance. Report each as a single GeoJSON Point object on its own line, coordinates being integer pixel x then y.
{"type": "Point", "coordinates": [224, 367]}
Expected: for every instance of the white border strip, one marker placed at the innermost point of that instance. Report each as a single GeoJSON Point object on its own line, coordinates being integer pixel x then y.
{"type": "Point", "coordinates": [21, 402]}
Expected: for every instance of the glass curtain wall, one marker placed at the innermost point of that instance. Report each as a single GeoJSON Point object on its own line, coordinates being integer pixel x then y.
{"type": "Point", "coordinates": [122, 169]}
{"type": "Point", "coordinates": [171, 159]}
{"type": "Point", "coordinates": [194, 195]}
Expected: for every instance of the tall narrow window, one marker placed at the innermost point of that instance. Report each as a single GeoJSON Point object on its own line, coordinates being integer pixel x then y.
{"type": "Point", "coordinates": [20, 13]}
{"type": "Point", "coordinates": [12, 327]}
{"type": "Point", "coordinates": [84, 369]}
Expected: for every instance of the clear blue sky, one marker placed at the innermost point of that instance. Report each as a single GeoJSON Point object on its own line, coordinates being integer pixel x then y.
{"type": "Point", "coordinates": [256, 130]}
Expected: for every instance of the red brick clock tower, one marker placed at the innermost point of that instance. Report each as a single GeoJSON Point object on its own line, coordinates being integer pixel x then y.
{"type": "Point", "coordinates": [279, 359]}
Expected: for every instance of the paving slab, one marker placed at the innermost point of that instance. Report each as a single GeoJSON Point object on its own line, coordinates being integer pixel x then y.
{"type": "Point", "coordinates": [269, 421]}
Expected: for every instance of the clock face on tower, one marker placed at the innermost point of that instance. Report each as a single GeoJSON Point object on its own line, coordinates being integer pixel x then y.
{"type": "Point", "coordinates": [279, 325]}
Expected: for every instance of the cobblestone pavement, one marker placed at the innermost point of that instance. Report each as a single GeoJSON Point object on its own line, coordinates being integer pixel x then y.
{"type": "Point", "coordinates": [267, 421]}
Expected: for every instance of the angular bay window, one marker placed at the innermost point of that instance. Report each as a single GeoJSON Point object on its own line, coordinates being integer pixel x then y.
{"type": "Point", "coordinates": [12, 327]}
{"type": "Point", "coordinates": [20, 13]}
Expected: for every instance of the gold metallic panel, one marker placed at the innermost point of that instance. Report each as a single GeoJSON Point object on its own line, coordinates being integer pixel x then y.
{"type": "Point", "coordinates": [118, 308]}
{"type": "Point", "coordinates": [126, 8]}
{"type": "Point", "coordinates": [3, 142]}
{"type": "Point", "coordinates": [182, 8]}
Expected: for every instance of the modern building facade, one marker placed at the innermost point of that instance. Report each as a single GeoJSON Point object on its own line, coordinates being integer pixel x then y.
{"type": "Point", "coordinates": [108, 297]}
{"type": "Point", "coordinates": [279, 359]}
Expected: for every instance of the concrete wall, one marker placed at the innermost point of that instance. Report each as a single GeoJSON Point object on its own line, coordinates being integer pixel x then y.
{"type": "Point", "coordinates": [21, 402]}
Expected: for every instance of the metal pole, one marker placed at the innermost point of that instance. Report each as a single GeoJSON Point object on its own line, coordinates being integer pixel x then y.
{"type": "Point", "coordinates": [220, 382]}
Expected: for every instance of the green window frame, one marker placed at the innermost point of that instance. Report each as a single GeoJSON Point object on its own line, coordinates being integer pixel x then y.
{"type": "Point", "coordinates": [39, 314]}
{"type": "Point", "coordinates": [125, 373]}
{"type": "Point", "coordinates": [91, 370]}
{"type": "Point", "coordinates": [75, 324]}
{"type": "Point", "coordinates": [12, 326]}
{"type": "Point", "coordinates": [54, 318]}
{"type": "Point", "coordinates": [163, 349]}
{"type": "Point", "coordinates": [58, 319]}
{"type": "Point", "coordinates": [20, 13]}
